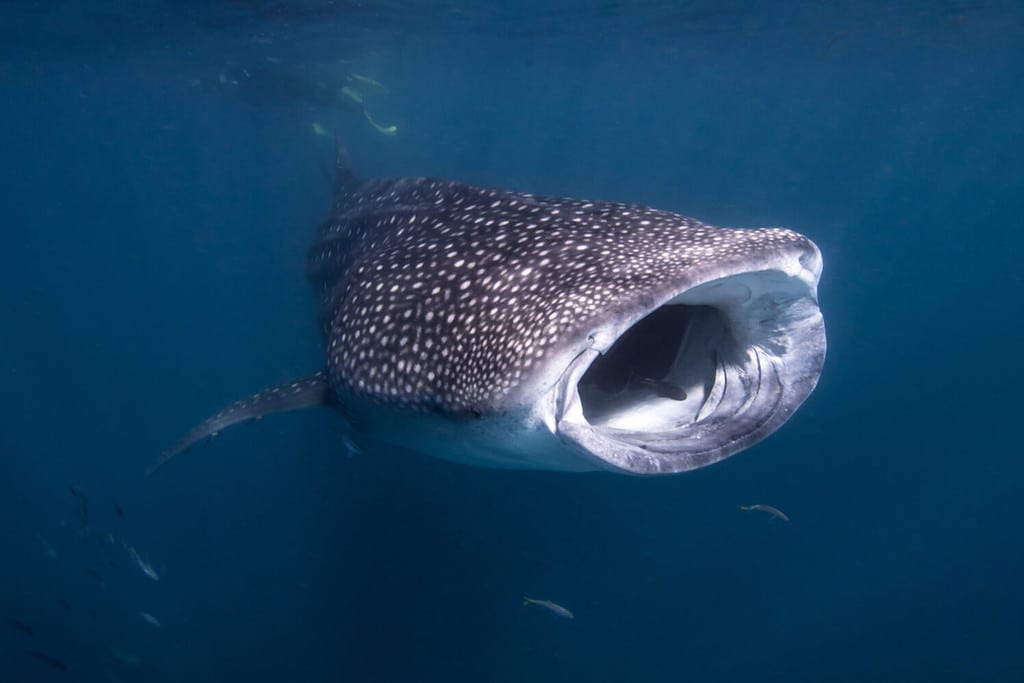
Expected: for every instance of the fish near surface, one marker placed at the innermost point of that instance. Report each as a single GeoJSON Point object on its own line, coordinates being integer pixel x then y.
{"type": "Point", "coordinates": [510, 330]}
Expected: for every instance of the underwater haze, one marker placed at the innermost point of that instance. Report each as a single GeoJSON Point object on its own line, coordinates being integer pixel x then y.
{"type": "Point", "coordinates": [164, 168]}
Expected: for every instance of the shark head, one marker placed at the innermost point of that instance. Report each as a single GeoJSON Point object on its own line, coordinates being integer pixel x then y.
{"type": "Point", "coordinates": [712, 366]}
{"type": "Point", "coordinates": [512, 330]}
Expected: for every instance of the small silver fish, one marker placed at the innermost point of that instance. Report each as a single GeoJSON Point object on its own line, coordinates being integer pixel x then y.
{"type": "Point", "coordinates": [554, 608]}
{"type": "Point", "coordinates": [146, 568]}
{"type": "Point", "coordinates": [47, 548]}
{"type": "Point", "coordinates": [773, 511]}
{"type": "Point", "coordinates": [150, 619]}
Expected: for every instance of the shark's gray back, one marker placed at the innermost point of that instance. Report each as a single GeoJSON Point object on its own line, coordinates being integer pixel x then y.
{"type": "Point", "coordinates": [439, 295]}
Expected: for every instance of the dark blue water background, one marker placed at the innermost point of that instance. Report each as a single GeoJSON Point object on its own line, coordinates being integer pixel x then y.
{"type": "Point", "coordinates": [154, 234]}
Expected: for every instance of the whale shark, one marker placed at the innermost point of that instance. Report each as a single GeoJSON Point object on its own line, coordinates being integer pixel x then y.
{"type": "Point", "coordinates": [513, 330]}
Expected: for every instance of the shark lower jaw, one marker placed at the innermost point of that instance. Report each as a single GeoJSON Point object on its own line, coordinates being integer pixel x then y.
{"type": "Point", "coordinates": [710, 372]}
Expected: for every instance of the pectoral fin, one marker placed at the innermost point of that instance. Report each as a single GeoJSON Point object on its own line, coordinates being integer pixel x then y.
{"type": "Point", "coordinates": [304, 393]}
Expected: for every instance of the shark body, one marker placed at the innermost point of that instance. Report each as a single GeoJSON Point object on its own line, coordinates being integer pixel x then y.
{"type": "Point", "coordinates": [511, 330]}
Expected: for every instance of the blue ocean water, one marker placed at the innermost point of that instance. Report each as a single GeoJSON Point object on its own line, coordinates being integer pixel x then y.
{"type": "Point", "coordinates": [155, 233]}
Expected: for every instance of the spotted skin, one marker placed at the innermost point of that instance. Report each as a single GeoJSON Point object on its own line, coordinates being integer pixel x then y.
{"type": "Point", "coordinates": [458, 321]}
{"type": "Point", "coordinates": [442, 296]}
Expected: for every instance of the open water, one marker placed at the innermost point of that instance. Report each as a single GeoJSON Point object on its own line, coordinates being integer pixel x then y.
{"type": "Point", "coordinates": [156, 218]}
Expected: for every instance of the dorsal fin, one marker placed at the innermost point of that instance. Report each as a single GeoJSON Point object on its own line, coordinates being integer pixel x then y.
{"type": "Point", "coordinates": [304, 393]}
{"type": "Point", "coordinates": [345, 181]}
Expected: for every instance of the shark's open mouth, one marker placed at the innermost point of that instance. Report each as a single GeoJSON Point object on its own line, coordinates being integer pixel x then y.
{"type": "Point", "coordinates": [711, 371]}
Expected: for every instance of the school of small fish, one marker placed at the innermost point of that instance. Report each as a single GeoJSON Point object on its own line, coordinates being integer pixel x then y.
{"type": "Point", "coordinates": [107, 542]}
{"type": "Point", "coordinates": [29, 631]}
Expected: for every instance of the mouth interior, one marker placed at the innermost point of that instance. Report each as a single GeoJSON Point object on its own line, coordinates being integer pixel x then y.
{"type": "Point", "coordinates": [663, 372]}
{"type": "Point", "coordinates": [712, 371]}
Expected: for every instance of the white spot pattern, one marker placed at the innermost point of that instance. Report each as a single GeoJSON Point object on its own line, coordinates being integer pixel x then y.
{"type": "Point", "coordinates": [442, 296]}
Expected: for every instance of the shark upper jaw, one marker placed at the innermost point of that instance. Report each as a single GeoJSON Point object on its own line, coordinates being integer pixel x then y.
{"type": "Point", "coordinates": [706, 372]}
